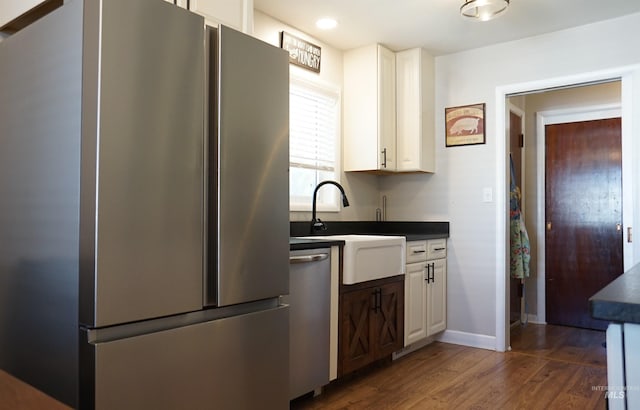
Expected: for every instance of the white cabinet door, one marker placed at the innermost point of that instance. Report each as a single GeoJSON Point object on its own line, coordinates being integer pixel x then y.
{"type": "Point", "coordinates": [615, 368]}
{"type": "Point", "coordinates": [387, 109]}
{"type": "Point", "coordinates": [632, 364]}
{"type": "Point", "coordinates": [233, 13]}
{"type": "Point", "coordinates": [369, 109]}
{"type": "Point", "coordinates": [437, 297]}
{"type": "Point", "coordinates": [414, 111]}
{"type": "Point", "coordinates": [415, 308]}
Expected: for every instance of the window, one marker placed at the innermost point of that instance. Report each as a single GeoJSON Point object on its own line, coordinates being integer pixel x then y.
{"type": "Point", "coordinates": [314, 144]}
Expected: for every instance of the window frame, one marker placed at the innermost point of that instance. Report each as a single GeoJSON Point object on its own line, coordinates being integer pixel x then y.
{"type": "Point", "coordinates": [333, 91]}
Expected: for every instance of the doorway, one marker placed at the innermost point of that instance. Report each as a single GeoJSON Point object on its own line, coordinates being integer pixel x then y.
{"type": "Point", "coordinates": [533, 172]}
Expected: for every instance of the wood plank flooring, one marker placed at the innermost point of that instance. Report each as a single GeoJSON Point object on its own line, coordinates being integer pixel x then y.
{"type": "Point", "coordinates": [549, 367]}
{"type": "Point", "coordinates": [17, 395]}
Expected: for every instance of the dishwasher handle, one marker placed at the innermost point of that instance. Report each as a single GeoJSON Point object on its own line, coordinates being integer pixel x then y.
{"type": "Point", "coordinates": [307, 258]}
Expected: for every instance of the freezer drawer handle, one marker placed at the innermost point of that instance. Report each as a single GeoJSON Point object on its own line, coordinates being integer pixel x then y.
{"type": "Point", "coordinates": [308, 258]}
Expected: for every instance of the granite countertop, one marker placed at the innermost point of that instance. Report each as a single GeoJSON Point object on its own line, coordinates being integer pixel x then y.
{"type": "Point", "coordinates": [413, 231]}
{"type": "Point", "coordinates": [296, 244]}
{"type": "Point", "coordinates": [619, 301]}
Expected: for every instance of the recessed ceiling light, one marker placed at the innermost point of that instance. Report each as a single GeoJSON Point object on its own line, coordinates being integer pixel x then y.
{"type": "Point", "coordinates": [326, 23]}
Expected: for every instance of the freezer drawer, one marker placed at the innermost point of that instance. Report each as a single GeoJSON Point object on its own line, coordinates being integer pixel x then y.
{"type": "Point", "coordinates": [239, 362]}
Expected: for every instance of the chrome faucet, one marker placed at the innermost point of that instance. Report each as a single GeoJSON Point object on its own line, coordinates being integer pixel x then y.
{"type": "Point", "coordinates": [316, 223]}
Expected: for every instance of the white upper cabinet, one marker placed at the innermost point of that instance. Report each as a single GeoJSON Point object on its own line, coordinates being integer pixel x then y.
{"type": "Point", "coordinates": [11, 9]}
{"type": "Point", "coordinates": [233, 13]}
{"type": "Point", "coordinates": [414, 111]}
{"type": "Point", "coordinates": [369, 109]}
{"type": "Point", "coordinates": [179, 3]}
{"type": "Point", "coordinates": [388, 110]}
{"type": "Point", "coordinates": [16, 15]}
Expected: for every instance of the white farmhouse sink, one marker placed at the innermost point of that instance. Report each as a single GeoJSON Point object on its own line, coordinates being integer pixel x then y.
{"type": "Point", "coordinates": [369, 257]}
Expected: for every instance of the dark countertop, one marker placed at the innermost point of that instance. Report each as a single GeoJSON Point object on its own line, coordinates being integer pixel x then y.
{"type": "Point", "coordinates": [619, 301]}
{"type": "Point", "coordinates": [296, 244]}
{"type": "Point", "coordinates": [413, 231]}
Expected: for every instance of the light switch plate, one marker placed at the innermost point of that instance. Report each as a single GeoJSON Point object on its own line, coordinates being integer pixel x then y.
{"type": "Point", "coordinates": [487, 195]}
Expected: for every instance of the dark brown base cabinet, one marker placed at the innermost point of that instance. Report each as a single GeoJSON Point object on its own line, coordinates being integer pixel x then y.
{"type": "Point", "coordinates": [371, 322]}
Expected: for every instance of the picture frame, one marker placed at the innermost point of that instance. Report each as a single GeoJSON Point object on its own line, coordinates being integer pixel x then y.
{"type": "Point", "coordinates": [465, 125]}
{"type": "Point", "coordinates": [302, 53]}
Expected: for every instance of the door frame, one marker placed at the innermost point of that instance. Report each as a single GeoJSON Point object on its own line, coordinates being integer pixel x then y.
{"type": "Point", "coordinates": [630, 105]}
{"type": "Point", "coordinates": [543, 118]}
{"type": "Point", "coordinates": [520, 113]}
{"type": "Point", "coordinates": [511, 108]}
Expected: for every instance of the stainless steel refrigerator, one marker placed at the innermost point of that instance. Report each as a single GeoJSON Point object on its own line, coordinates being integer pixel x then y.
{"type": "Point", "coordinates": [144, 210]}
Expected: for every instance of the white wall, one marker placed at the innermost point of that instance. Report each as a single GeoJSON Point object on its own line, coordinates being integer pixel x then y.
{"type": "Point", "coordinates": [592, 95]}
{"type": "Point", "coordinates": [361, 189]}
{"type": "Point", "coordinates": [455, 191]}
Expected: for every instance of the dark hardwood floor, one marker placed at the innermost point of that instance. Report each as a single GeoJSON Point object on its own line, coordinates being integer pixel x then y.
{"type": "Point", "coordinates": [549, 367]}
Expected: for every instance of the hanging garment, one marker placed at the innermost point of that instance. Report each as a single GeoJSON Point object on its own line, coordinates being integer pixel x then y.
{"type": "Point", "coordinates": [520, 249]}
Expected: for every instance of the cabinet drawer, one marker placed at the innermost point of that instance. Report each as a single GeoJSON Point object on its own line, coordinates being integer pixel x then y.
{"type": "Point", "coordinates": [436, 249]}
{"type": "Point", "coordinates": [416, 251]}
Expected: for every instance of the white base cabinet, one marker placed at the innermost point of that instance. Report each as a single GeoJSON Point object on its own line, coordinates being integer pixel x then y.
{"type": "Point", "coordinates": [623, 366]}
{"type": "Point", "coordinates": [425, 311]}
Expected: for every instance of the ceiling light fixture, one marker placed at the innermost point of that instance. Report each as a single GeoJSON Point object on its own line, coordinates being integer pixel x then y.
{"type": "Point", "coordinates": [326, 23]}
{"type": "Point", "coordinates": [483, 10]}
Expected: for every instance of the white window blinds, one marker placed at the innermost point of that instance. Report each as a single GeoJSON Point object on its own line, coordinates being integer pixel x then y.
{"type": "Point", "coordinates": [314, 142]}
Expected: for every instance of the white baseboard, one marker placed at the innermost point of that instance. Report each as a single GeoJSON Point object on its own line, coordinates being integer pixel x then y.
{"type": "Point", "coordinates": [531, 318]}
{"type": "Point", "coordinates": [468, 339]}
{"type": "Point", "coordinates": [412, 347]}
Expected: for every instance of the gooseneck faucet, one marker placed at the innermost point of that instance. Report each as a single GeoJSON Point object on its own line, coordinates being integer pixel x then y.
{"type": "Point", "coordinates": [316, 223]}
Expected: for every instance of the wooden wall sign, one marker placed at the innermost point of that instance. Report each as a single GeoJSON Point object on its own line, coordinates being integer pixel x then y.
{"type": "Point", "coordinates": [301, 52]}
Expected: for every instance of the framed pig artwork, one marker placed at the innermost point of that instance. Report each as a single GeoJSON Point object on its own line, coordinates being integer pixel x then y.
{"type": "Point", "coordinates": [465, 125]}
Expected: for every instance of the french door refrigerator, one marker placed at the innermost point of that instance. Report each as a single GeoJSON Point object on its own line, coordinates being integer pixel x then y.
{"type": "Point", "coordinates": [144, 210]}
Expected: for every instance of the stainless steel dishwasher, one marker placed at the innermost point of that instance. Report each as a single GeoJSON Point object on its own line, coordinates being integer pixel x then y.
{"type": "Point", "coordinates": [309, 319]}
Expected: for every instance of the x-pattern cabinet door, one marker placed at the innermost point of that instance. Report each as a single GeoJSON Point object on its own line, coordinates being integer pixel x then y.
{"type": "Point", "coordinates": [389, 319]}
{"type": "Point", "coordinates": [372, 324]}
{"type": "Point", "coordinates": [356, 347]}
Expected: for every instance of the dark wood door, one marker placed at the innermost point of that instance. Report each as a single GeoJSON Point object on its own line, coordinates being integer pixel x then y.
{"type": "Point", "coordinates": [515, 149]}
{"type": "Point", "coordinates": [356, 348]}
{"type": "Point", "coordinates": [583, 241]}
{"type": "Point", "coordinates": [388, 319]}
